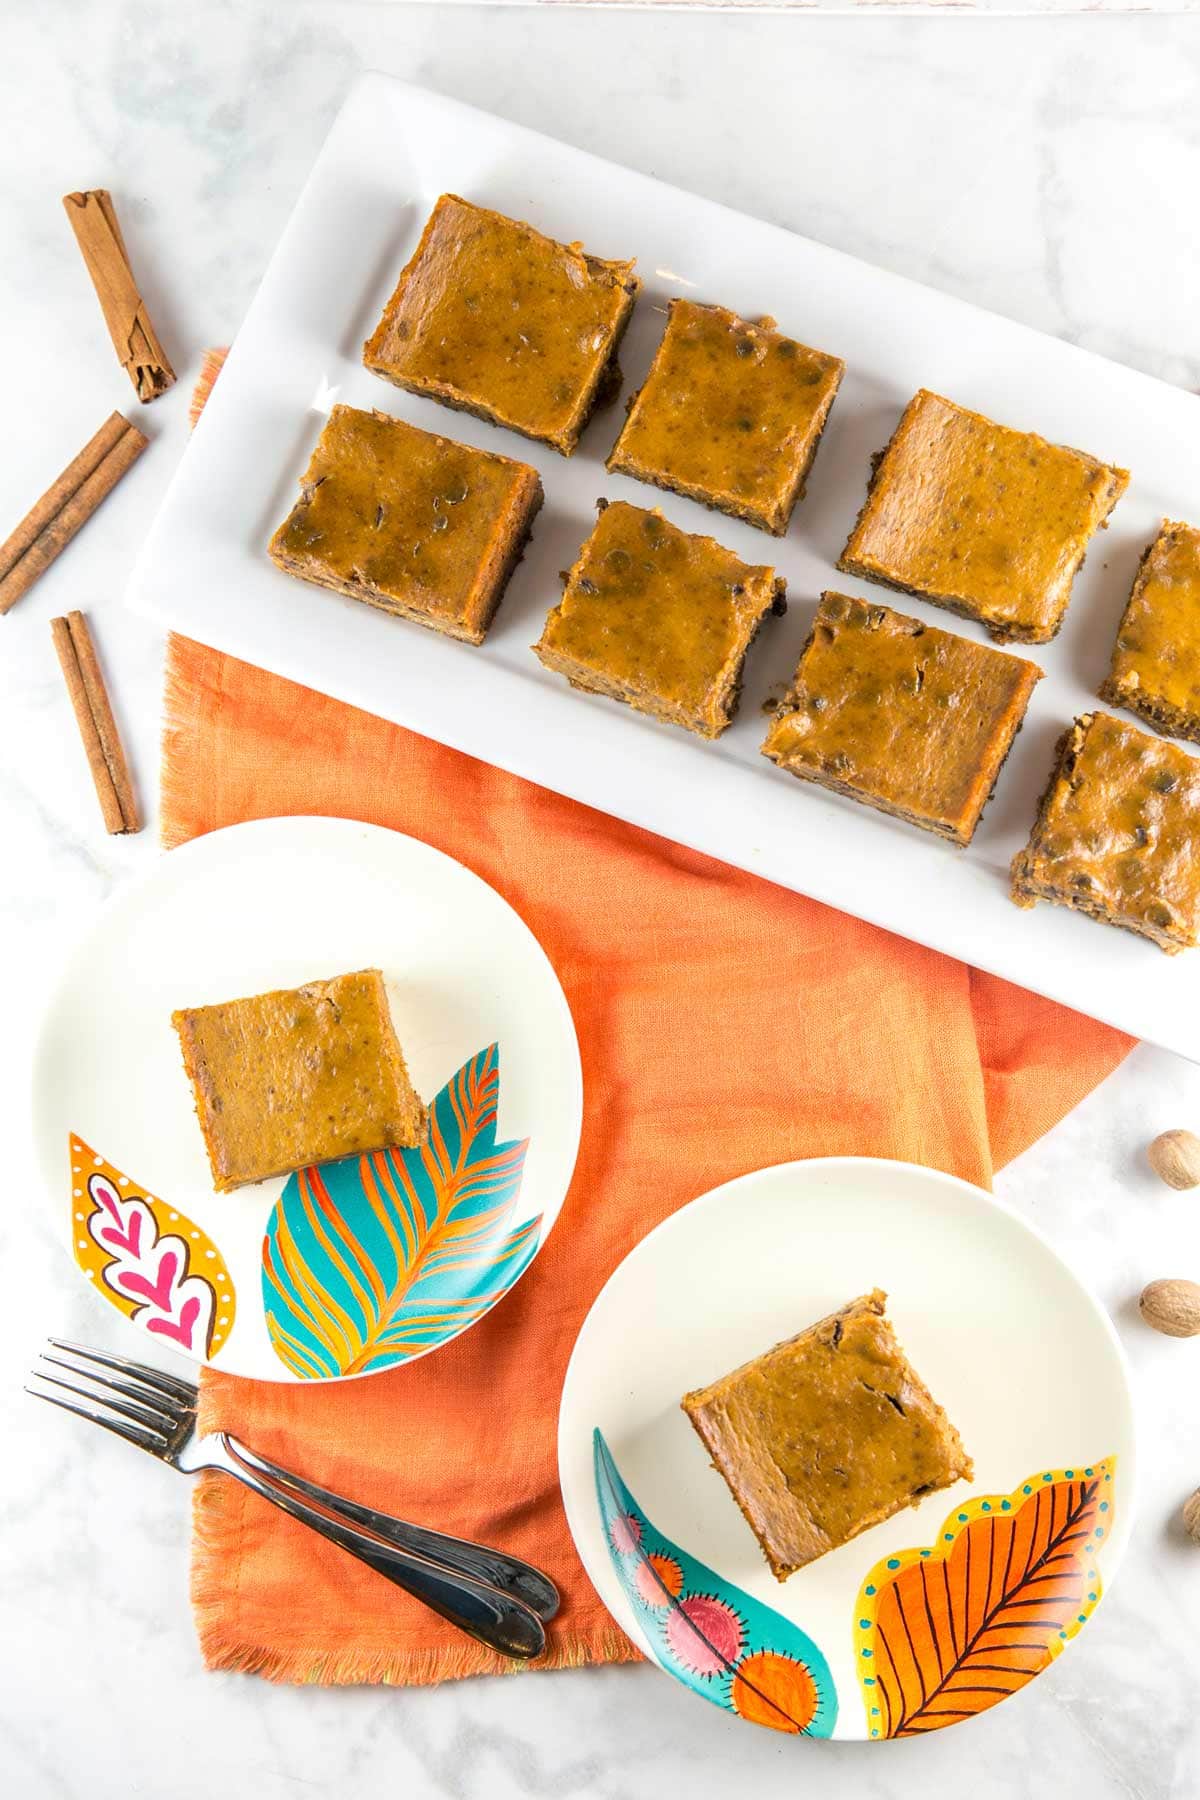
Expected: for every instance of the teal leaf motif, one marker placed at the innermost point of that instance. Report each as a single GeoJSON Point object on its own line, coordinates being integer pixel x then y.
{"type": "Point", "coordinates": [377, 1259]}
{"type": "Point", "coordinates": [709, 1633]}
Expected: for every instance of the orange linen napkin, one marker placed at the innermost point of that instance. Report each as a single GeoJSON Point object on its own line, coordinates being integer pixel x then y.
{"type": "Point", "coordinates": [724, 1024]}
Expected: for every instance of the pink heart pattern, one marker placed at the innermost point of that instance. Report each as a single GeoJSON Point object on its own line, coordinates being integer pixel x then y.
{"type": "Point", "coordinates": [130, 1239]}
{"type": "Point", "coordinates": [156, 1293]}
{"type": "Point", "coordinates": [180, 1329]}
{"type": "Point", "coordinates": [145, 1269]}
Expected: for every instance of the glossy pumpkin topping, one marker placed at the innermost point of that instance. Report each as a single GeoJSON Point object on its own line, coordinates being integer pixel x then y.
{"type": "Point", "coordinates": [1156, 662]}
{"type": "Point", "coordinates": [408, 521]}
{"type": "Point", "coordinates": [1118, 833]}
{"type": "Point", "coordinates": [730, 414]}
{"type": "Point", "coordinates": [298, 1076]}
{"type": "Point", "coordinates": [826, 1435]}
{"type": "Point", "coordinates": [990, 522]}
{"type": "Point", "coordinates": [492, 316]}
{"type": "Point", "coordinates": [659, 618]}
{"type": "Point", "coordinates": [902, 716]}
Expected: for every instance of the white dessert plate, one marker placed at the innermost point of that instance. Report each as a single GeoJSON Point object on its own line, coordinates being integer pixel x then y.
{"type": "Point", "coordinates": [358, 1265]}
{"type": "Point", "coordinates": [944, 1610]}
{"type": "Point", "coordinates": [205, 571]}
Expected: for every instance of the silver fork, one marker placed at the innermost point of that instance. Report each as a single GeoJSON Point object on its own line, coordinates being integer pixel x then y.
{"type": "Point", "coordinates": [495, 1598]}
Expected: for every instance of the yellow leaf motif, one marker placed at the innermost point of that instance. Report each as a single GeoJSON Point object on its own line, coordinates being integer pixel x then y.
{"type": "Point", "coordinates": [147, 1259]}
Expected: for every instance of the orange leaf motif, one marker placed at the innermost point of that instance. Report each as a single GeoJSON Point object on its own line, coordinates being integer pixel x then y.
{"type": "Point", "coordinates": [944, 1633]}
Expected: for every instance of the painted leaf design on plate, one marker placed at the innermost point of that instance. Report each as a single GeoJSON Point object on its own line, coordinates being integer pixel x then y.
{"type": "Point", "coordinates": [946, 1632]}
{"type": "Point", "coordinates": [147, 1259]}
{"type": "Point", "coordinates": [709, 1633]}
{"type": "Point", "coordinates": [377, 1259]}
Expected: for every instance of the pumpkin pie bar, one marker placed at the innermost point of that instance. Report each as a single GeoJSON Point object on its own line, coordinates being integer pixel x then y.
{"type": "Point", "coordinates": [659, 619]}
{"type": "Point", "coordinates": [409, 522]}
{"type": "Point", "coordinates": [1117, 835]}
{"type": "Point", "coordinates": [296, 1077]}
{"type": "Point", "coordinates": [492, 317]}
{"type": "Point", "coordinates": [1156, 664]}
{"type": "Point", "coordinates": [826, 1435]}
{"type": "Point", "coordinates": [731, 415]}
{"type": "Point", "coordinates": [903, 717]}
{"type": "Point", "coordinates": [989, 522]}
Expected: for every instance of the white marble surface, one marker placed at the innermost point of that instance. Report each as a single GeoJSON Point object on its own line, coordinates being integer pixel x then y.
{"type": "Point", "coordinates": [1048, 169]}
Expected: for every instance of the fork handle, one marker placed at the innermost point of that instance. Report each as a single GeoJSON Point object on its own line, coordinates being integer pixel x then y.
{"type": "Point", "coordinates": [507, 1573]}
{"type": "Point", "coordinates": [494, 1618]}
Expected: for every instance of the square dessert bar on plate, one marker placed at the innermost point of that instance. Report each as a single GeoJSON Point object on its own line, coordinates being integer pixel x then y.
{"type": "Point", "coordinates": [410, 522]}
{"type": "Point", "coordinates": [1156, 663]}
{"type": "Point", "coordinates": [494, 318]}
{"type": "Point", "coordinates": [1118, 833]}
{"type": "Point", "coordinates": [730, 414]}
{"type": "Point", "coordinates": [826, 1435]}
{"type": "Point", "coordinates": [298, 1076]}
{"type": "Point", "coordinates": [659, 619]}
{"type": "Point", "coordinates": [908, 719]}
{"type": "Point", "coordinates": [989, 522]}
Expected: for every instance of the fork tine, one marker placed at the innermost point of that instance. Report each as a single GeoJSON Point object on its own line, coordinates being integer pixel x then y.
{"type": "Point", "coordinates": [145, 1395]}
{"type": "Point", "coordinates": [171, 1385]}
{"type": "Point", "coordinates": [130, 1433]}
{"type": "Point", "coordinates": [161, 1423]}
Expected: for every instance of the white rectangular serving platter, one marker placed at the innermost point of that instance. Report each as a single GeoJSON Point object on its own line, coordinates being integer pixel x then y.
{"type": "Point", "coordinates": [204, 570]}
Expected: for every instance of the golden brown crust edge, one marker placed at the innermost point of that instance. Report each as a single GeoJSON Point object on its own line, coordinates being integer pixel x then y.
{"type": "Point", "coordinates": [201, 1098]}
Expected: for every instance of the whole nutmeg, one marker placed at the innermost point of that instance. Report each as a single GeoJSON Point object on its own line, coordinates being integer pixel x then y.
{"type": "Point", "coordinates": [1175, 1157]}
{"type": "Point", "coordinates": [1191, 1517]}
{"type": "Point", "coordinates": [1172, 1307]}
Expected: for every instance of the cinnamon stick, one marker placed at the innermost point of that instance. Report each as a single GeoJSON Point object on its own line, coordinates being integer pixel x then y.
{"type": "Point", "coordinates": [46, 531]}
{"type": "Point", "coordinates": [97, 727]}
{"type": "Point", "coordinates": [94, 222]}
